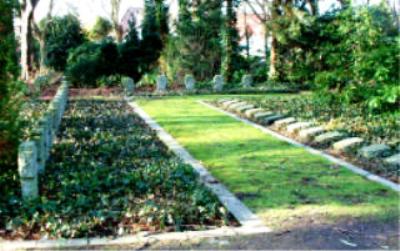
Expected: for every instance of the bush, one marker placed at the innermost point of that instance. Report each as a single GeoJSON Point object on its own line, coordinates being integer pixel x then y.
{"type": "Point", "coordinates": [92, 61]}
{"type": "Point", "coordinates": [10, 98]}
{"type": "Point", "coordinates": [360, 57]}
{"type": "Point", "coordinates": [63, 35]}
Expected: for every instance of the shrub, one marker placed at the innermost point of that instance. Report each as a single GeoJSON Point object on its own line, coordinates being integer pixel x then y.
{"type": "Point", "coordinates": [9, 88]}
{"type": "Point", "coordinates": [63, 35]}
{"type": "Point", "coordinates": [92, 61]}
{"type": "Point", "coordinates": [101, 29]}
{"type": "Point", "coordinates": [360, 56]}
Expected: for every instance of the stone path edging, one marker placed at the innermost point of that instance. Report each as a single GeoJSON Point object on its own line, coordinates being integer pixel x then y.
{"type": "Point", "coordinates": [233, 204]}
{"type": "Point", "coordinates": [250, 223]}
{"type": "Point", "coordinates": [141, 238]}
{"type": "Point", "coordinates": [335, 160]}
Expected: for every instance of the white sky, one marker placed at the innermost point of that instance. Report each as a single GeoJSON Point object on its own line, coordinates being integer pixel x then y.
{"type": "Point", "coordinates": [88, 10]}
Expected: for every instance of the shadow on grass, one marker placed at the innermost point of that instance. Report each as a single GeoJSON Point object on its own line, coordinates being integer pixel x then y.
{"type": "Point", "coordinates": [275, 178]}
{"type": "Point", "coordinates": [281, 183]}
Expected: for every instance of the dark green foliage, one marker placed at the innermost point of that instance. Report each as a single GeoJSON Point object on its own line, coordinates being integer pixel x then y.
{"type": "Point", "coordinates": [196, 48]}
{"type": "Point", "coordinates": [9, 95]}
{"type": "Point", "coordinates": [232, 59]}
{"type": "Point", "coordinates": [101, 28]}
{"type": "Point", "coordinates": [355, 119]}
{"type": "Point", "coordinates": [91, 61]}
{"type": "Point", "coordinates": [63, 35]}
{"type": "Point", "coordinates": [162, 19]}
{"type": "Point", "coordinates": [353, 51]}
{"type": "Point", "coordinates": [108, 175]}
{"type": "Point", "coordinates": [133, 57]}
{"type": "Point", "coordinates": [151, 44]}
{"type": "Point", "coordinates": [361, 60]}
{"type": "Point", "coordinates": [131, 54]}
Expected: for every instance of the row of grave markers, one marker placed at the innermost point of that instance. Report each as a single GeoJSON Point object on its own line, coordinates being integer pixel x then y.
{"type": "Point", "coordinates": [314, 133]}
{"type": "Point", "coordinates": [33, 154]}
{"type": "Point", "coordinates": [190, 83]}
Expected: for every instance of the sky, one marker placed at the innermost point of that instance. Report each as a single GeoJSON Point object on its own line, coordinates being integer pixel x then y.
{"type": "Point", "coordinates": [88, 10]}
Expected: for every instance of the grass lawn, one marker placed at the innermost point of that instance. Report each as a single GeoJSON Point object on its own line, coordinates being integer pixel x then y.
{"type": "Point", "coordinates": [276, 180]}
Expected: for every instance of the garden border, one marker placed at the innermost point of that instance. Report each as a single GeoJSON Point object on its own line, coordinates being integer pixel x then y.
{"type": "Point", "coordinates": [311, 150]}
{"type": "Point", "coordinates": [250, 223]}
{"type": "Point", "coordinates": [142, 238]}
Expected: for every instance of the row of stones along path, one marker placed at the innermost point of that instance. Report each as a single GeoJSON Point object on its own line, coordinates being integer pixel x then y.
{"type": "Point", "coordinates": [313, 133]}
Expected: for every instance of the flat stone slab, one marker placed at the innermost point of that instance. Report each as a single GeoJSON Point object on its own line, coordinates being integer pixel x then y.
{"type": "Point", "coordinates": [293, 128]}
{"type": "Point", "coordinates": [393, 160]}
{"type": "Point", "coordinates": [236, 105]}
{"type": "Point", "coordinates": [374, 151]}
{"type": "Point", "coordinates": [249, 113]}
{"type": "Point", "coordinates": [228, 103]}
{"type": "Point", "coordinates": [328, 137]}
{"type": "Point", "coordinates": [347, 144]}
{"type": "Point", "coordinates": [260, 115]}
{"type": "Point", "coordinates": [271, 119]}
{"type": "Point", "coordinates": [220, 101]}
{"type": "Point", "coordinates": [283, 122]}
{"type": "Point", "coordinates": [310, 133]}
{"type": "Point", "coordinates": [244, 108]}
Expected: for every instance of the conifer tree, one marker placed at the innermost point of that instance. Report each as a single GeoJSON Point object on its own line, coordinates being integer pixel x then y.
{"type": "Point", "coordinates": [9, 103]}
{"type": "Point", "coordinates": [197, 46]}
{"type": "Point", "coordinates": [231, 50]}
{"type": "Point", "coordinates": [151, 44]}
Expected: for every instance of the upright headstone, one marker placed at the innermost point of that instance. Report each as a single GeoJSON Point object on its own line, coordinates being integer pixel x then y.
{"type": "Point", "coordinates": [218, 83]}
{"type": "Point", "coordinates": [39, 83]}
{"type": "Point", "coordinates": [128, 85]}
{"type": "Point", "coordinates": [247, 81]}
{"type": "Point", "coordinates": [189, 82]}
{"type": "Point", "coordinates": [27, 168]}
{"type": "Point", "coordinates": [162, 82]}
{"type": "Point", "coordinates": [39, 137]}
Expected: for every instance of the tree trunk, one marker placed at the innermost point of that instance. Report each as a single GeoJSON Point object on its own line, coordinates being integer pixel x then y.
{"type": "Point", "coordinates": [43, 52]}
{"type": "Point", "coordinates": [28, 8]}
{"type": "Point", "coordinates": [115, 6]}
{"type": "Point", "coordinates": [273, 60]}
{"type": "Point", "coordinates": [314, 7]}
{"type": "Point", "coordinates": [273, 57]}
{"type": "Point", "coordinates": [227, 61]}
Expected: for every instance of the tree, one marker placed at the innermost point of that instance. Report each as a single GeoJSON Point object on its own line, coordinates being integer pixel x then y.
{"type": "Point", "coordinates": [162, 19]}
{"type": "Point", "coordinates": [196, 49]}
{"type": "Point", "coordinates": [101, 28]}
{"type": "Point", "coordinates": [130, 54]}
{"type": "Point", "coordinates": [279, 16]}
{"type": "Point", "coordinates": [9, 101]}
{"type": "Point", "coordinates": [115, 7]}
{"type": "Point", "coordinates": [231, 49]}
{"type": "Point", "coordinates": [64, 34]}
{"type": "Point", "coordinates": [40, 32]}
{"type": "Point", "coordinates": [151, 44]}
{"type": "Point", "coordinates": [27, 20]}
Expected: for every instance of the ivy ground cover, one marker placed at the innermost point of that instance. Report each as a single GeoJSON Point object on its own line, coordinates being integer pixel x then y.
{"type": "Point", "coordinates": [281, 183]}
{"type": "Point", "coordinates": [108, 175]}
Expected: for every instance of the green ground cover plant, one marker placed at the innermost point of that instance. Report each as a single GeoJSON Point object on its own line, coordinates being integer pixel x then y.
{"type": "Point", "coordinates": [31, 111]}
{"type": "Point", "coordinates": [108, 175]}
{"type": "Point", "coordinates": [281, 183]}
{"type": "Point", "coordinates": [355, 119]}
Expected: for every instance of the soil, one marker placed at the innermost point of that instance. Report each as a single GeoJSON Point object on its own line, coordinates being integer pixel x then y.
{"type": "Point", "coordinates": [304, 235]}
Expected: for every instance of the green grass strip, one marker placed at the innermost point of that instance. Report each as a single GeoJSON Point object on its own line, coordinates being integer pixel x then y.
{"type": "Point", "coordinates": [276, 180]}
